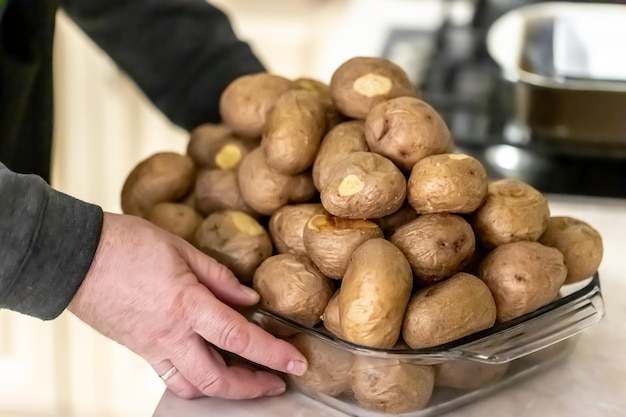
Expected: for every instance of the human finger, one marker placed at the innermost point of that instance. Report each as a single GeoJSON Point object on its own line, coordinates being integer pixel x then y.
{"type": "Point", "coordinates": [227, 329]}
{"type": "Point", "coordinates": [206, 370]}
{"type": "Point", "coordinates": [175, 381]}
{"type": "Point", "coordinates": [219, 279]}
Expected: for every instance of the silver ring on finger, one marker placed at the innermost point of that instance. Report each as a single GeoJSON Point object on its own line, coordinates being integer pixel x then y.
{"type": "Point", "coordinates": [169, 373]}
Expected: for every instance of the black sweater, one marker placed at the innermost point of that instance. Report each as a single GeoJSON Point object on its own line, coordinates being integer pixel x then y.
{"type": "Point", "coordinates": [181, 53]}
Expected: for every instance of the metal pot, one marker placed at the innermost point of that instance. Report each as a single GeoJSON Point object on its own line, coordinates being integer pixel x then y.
{"type": "Point", "coordinates": [566, 65]}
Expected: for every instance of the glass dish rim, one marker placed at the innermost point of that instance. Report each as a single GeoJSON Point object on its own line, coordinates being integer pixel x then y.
{"type": "Point", "coordinates": [587, 291]}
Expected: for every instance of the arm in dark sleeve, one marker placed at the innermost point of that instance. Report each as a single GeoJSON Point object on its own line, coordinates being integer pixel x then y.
{"type": "Point", "coordinates": [47, 242]}
{"type": "Point", "coordinates": [181, 53]}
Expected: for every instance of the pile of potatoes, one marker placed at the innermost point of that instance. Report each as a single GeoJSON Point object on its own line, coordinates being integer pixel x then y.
{"type": "Point", "coordinates": [346, 208]}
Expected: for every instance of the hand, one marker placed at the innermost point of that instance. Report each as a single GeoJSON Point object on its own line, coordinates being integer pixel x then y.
{"type": "Point", "coordinates": [170, 303]}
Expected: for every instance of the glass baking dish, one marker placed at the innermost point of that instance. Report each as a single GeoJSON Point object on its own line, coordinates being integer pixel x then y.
{"type": "Point", "coordinates": [463, 370]}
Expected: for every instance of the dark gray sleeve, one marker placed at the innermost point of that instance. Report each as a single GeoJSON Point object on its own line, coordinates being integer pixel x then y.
{"type": "Point", "coordinates": [181, 53]}
{"type": "Point", "coordinates": [47, 242]}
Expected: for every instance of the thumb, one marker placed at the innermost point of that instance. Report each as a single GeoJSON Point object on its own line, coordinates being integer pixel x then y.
{"type": "Point", "coordinates": [218, 278]}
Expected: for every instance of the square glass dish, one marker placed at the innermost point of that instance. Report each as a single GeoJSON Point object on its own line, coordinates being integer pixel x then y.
{"type": "Point", "coordinates": [369, 382]}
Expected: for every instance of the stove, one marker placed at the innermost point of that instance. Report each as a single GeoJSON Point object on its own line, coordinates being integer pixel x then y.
{"type": "Point", "coordinates": [458, 77]}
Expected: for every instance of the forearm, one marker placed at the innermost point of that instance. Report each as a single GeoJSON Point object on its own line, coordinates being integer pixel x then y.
{"type": "Point", "coordinates": [47, 242]}
{"type": "Point", "coordinates": [181, 53]}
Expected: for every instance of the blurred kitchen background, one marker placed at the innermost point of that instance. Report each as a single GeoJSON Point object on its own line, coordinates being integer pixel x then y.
{"type": "Point", "coordinates": [104, 127]}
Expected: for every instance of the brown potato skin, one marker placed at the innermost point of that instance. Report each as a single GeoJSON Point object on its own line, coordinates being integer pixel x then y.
{"type": "Point", "coordinates": [291, 285]}
{"type": "Point", "coordinates": [322, 91]}
{"type": "Point", "coordinates": [330, 241]}
{"type": "Point", "coordinates": [266, 190]}
{"type": "Point", "coordinates": [406, 130]}
{"type": "Point", "coordinates": [512, 211]}
{"type": "Point", "coordinates": [329, 366]}
{"type": "Point", "coordinates": [293, 131]}
{"type": "Point", "coordinates": [448, 310]}
{"type": "Point", "coordinates": [383, 193]}
{"type": "Point", "coordinates": [522, 277]}
{"type": "Point", "coordinates": [206, 133]}
{"type": "Point", "coordinates": [177, 218]}
{"type": "Point", "coordinates": [246, 100]}
{"type": "Point", "coordinates": [163, 176]}
{"type": "Point", "coordinates": [374, 294]}
{"type": "Point", "coordinates": [447, 183]}
{"type": "Point", "coordinates": [473, 263]}
{"type": "Point", "coordinates": [204, 149]}
{"type": "Point", "coordinates": [344, 85]}
{"type": "Point", "coordinates": [241, 250]}
{"type": "Point", "coordinates": [390, 223]}
{"type": "Point", "coordinates": [436, 245]}
{"type": "Point", "coordinates": [204, 136]}
{"type": "Point", "coordinates": [345, 138]}
{"type": "Point", "coordinates": [466, 374]}
{"type": "Point", "coordinates": [287, 224]}
{"type": "Point", "coordinates": [580, 244]}
{"type": "Point", "coordinates": [218, 189]}
{"type": "Point", "coordinates": [390, 385]}
{"type": "Point", "coordinates": [314, 86]}
{"type": "Point", "coordinates": [330, 317]}
{"type": "Point", "coordinates": [188, 199]}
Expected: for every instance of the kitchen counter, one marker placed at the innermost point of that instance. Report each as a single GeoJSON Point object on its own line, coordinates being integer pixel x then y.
{"type": "Point", "coordinates": [591, 382]}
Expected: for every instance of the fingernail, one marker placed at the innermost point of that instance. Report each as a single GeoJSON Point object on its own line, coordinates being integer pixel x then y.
{"type": "Point", "coordinates": [249, 292]}
{"type": "Point", "coordinates": [296, 368]}
{"type": "Point", "coordinates": [276, 391]}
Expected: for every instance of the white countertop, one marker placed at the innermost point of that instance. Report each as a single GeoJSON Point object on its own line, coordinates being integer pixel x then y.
{"type": "Point", "coordinates": [592, 382]}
